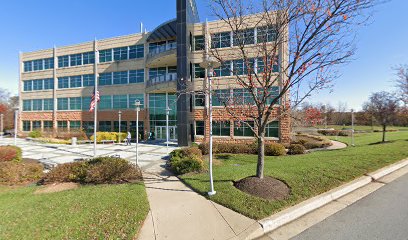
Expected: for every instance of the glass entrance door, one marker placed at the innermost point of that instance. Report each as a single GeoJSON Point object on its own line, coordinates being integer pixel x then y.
{"type": "Point", "coordinates": [161, 133]}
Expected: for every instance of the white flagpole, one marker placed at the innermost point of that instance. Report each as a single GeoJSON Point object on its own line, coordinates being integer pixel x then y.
{"type": "Point", "coordinates": [96, 90]}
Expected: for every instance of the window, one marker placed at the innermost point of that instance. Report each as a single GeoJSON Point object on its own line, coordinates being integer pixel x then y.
{"type": "Point", "coordinates": [221, 128]}
{"type": "Point", "coordinates": [241, 67]}
{"type": "Point", "coordinates": [136, 51]}
{"type": "Point", "coordinates": [26, 105]}
{"type": "Point", "coordinates": [63, 82]}
{"type": "Point", "coordinates": [38, 84]}
{"type": "Point", "coordinates": [47, 126]}
{"type": "Point", "coordinates": [63, 61]}
{"type": "Point", "coordinates": [86, 102]}
{"type": "Point", "coordinates": [123, 126]}
{"type": "Point", "coordinates": [242, 129]}
{"type": "Point", "coordinates": [74, 125]}
{"type": "Point", "coordinates": [120, 102]}
{"type": "Point", "coordinates": [62, 104]}
{"type": "Point", "coordinates": [75, 103]}
{"type": "Point", "coordinates": [136, 76]}
{"type": "Point", "coordinates": [75, 59]}
{"type": "Point", "coordinates": [272, 129]}
{"type": "Point", "coordinates": [88, 58]}
{"type": "Point", "coordinates": [105, 126]}
{"type": "Point", "coordinates": [266, 34]}
{"type": "Point", "coordinates": [48, 104]}
{"type": "Point", "coordinates": [199, 72]}
{"type": "Point", "coordinates": [157, 73]}
{"type": "Point", "coordinates": [261, 66]}
{"type": "Point", "coordinates": [120, 53]}
{"type": "Point", "coordinates": [199, 43]}
{"type": "Point", "coordinates": [133, 98]}
{"type": "Point", "coordinates": [105, 55]}
{"type": "Point", "coordinates": [199, 100]}
{"type": "Point", "coordinates": [38, 65]}
{"type": "Point", "coordinates": [243, 96]}
{"type": "Point", "coordinates": [199, 128]}
{"type": "Point", "coordinates": [272, 94]}
{"type": "Point", "coordinates": [120, 77]}
{"type": "Point", "coordinates": [221, 40]}
{"type": "Point", "coordinates": [49, 83]}
{"type": "Point", "coordinates": [62, 125]}
{"type": "Point", "coordinates": [37, 104]}
{"type": "Point", "coordinates": [26, 126]}
{"type": "Point", "coordinates": [244, 37]}
{"type": "Point", "coordinates": [220, 97]}
{"type": "Point", "coordinates": [36, 125]}
{"type": "Point", "coordinates": [48, 63]}
{"type": "Point", "coordinates": [105, 79]}
{"type": "Point", "coordinates": [223, 70]}
{"type": "Point", "coordinates": [88, 126]}
{"type": "Point", "coordinates": [106, 102]}
{"type": "Point", "coordinates": [88, 80]}
{"type": "Point", "coordinates": [28, 66]}
{"type": "Point", "coordinates": [75, 81]}
{"type": "Point", "coordinates": [28, 85]}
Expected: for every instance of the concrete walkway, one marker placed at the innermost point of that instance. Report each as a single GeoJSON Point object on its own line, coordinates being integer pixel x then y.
{"type": "Point", "coordinates": [335, 145]}
{"type": "Point", "coordinates": [177, 212]}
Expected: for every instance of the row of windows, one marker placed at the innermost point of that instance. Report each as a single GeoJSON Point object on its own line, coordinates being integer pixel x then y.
{"type": "Point", "coordinates": [76, 59]}
{"type": "Point", "coordinates": [38, 84]}
{"type": "Point", "coordinates": [38, 104]}
{"type": "Point", "coordinates": [238, 96]}
{"type": "Point", "coordinates": [223, 128]}
{"type": "Point", "coordinates": [242, 37]}
{"type": "Point", "coordinates": [38, 65]}
{"type": "Point", "coordinates": [237, 67]}
{"type": "Point", "coordinates": [124, 77]}
{"type": "Point", "coordinates": [104, 126]}
{"type": "Point", "coordinates": [121, 53]}
{"type": "Point", "coordinates": [106, 102]}
{"type": "Point", "coordinates": [76, 81]}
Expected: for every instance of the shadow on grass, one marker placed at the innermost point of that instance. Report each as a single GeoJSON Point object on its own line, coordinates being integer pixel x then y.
{"type": "Point", "coordinates": [377, 143]}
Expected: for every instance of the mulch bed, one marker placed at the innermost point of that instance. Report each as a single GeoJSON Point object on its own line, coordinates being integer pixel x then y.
{"type": "Point", "coordinates": [268, 188]}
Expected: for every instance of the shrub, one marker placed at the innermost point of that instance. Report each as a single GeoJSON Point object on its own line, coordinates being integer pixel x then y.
{"type": "Point", "coordinates": [274, 149]}
{"type": "Point", "coordinates": [80, 135]}
{"type": "Point", "coordinates": [104, 136]}
{"type": "Point", "coordinates": [20, 172]}
{"type": "Point", "coordinates": [10, 153]}
{"type": "Point", "coordinates": [186, 160]}
{"type": "Point", "coordinates": [333, 132]}
{"type": "Point", "coordinates": [236, 148]}
{"type": "Point", "coordinates": [95, 171]}
{"type": "Point", "coordinates": [296, 149]}
{"type": "Point", "coordinates": [35, 134]}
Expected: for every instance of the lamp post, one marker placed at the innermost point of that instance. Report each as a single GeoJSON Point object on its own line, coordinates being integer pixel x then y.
{"type": "Point", "coordinates": [120, 123]}
{"type": "Point", "coordinates": [352, 127]}
{"type": "Point", "coordinates": [167, 127]}
{"type": "Point", "coordinates": [209, 64]}
{"type": "Point", "coordinates": [137, 104]}
{"type": "Point", "coordinates": [15, 125]}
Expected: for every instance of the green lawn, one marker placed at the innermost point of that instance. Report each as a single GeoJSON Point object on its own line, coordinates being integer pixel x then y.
{"type": "Point", "coordinates": [308, 175]}
{"type": "Point", "coordinates": [89, 212]}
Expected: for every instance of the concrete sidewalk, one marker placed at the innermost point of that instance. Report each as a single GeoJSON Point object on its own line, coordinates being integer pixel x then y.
{"type": "Point", "coordinates": [177, 212]}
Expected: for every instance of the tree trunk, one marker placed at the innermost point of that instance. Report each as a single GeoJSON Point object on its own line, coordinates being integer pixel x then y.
{"type": "Point", "coordinates": [383, 138]}
{"type": "Point", "coordinates": [261, 158]}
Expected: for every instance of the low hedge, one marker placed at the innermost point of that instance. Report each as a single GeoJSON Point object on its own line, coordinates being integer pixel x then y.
{"type": "Point", "coordinates": [271, 149]}
{"type": "Point", "coordinates": [20, 172]}
{"type": "Point", "coordinates": [295, 149]}
{"type": "Point", "coordinates": [333, 132]}
{"type": "Point", "coordinates": [35, 134]}
{"type": "Point", "coordinates": [98, 170]}
{"type": "Point", "coordinates": [186, 160]}
{"type": "Point", "coordinates": [108, 136]}
{"type": "Point", "coordinates": [10, 153]}
{"type": "Point", "coordinates": [311, 141]}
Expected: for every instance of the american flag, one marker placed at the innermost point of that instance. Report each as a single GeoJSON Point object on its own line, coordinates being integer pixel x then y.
{"type": "Point", "coordinates": [94, 100]}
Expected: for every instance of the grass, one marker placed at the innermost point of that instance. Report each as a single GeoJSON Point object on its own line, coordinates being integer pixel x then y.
{"type": "Point", "coordinates": [364, 128]}
{"type": "Point", "coordinates": [307, 175]}
{"type": "Point", "coordinates": [89, 212]}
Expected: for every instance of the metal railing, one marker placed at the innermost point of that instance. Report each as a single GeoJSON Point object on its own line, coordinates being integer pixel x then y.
{"type": "Point", "coordinates": [162, 48]}
{"type": "Point", "coordinates": [161, 79]}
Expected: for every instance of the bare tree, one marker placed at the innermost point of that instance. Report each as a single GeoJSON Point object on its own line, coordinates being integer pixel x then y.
{"type": "Point", "coordinates": [298, 47]}
{"type": "Point", "coordinates": [402, 83]}
{"type": "Point", "coordinates": [383, 106]}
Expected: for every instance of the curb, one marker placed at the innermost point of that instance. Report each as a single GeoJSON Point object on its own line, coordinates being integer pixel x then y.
{"type": "Point", "coordinates": [288, 215]}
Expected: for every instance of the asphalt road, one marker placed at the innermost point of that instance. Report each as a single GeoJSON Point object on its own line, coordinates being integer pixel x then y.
{"type": "Point", "coordinates": [382, 215]}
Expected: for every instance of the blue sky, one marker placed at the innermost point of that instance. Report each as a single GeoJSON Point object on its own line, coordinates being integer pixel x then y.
{"type": "Point", "coordinates": [28, 25]}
